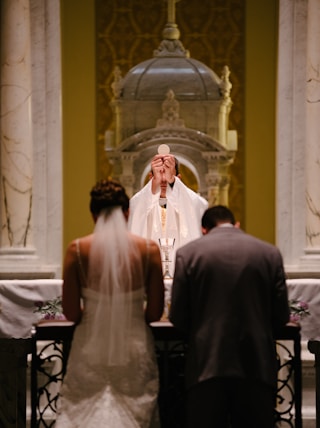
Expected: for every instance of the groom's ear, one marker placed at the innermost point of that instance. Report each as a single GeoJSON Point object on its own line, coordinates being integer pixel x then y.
{"type": "Point", "coordinates": [204, 230]}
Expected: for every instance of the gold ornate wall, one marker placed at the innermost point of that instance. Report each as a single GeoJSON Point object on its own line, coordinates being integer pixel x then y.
{"type": "Point", "coordinates": [213, 31]}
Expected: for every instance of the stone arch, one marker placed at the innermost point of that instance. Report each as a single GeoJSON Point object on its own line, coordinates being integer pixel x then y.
{"type": "Point", "coordinates": [199, 152]}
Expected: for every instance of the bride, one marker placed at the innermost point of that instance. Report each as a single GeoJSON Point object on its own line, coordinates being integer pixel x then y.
{"type": "Point", "coordinates": [112, 288]}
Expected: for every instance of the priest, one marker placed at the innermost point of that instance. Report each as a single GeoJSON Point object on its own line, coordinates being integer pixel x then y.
{"type": "Point", "coordinates": [165, 207]}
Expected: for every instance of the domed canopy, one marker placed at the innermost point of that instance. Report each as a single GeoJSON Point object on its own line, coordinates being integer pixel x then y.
{"type": "Point", "coordinates": [171, 69]}
{"type": "Point", "coordinates": [188, 78]}
{"type": "Point", "coordinates": [175, 100]}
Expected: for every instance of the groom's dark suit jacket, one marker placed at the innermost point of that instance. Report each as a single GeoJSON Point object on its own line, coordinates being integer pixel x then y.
{"type": "Point", "coordinates": [229, 295]}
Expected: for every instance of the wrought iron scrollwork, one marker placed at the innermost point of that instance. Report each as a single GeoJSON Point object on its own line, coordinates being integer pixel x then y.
{"type": "Point", "coordinates": [285, 398]}
{"type": "Point", "coordinates": [50, 350]}
{"type": "Point", "coordinates": [50, 372]}
{"type": "Point", "coordinates": [50, 353]}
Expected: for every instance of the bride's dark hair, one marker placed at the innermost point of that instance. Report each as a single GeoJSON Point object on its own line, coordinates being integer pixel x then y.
{"type": "Point", "coordinates": [106, 194]}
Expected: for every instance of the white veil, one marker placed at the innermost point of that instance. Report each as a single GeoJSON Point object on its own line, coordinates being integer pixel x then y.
{"type": "Point", "coordinates": [115, 269]}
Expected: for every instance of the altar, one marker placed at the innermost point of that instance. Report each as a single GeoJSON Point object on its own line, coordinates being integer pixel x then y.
{"type": "Point", "coordinates": [19, 301]}
{"type": "Point", "coordinates": [307, 290]}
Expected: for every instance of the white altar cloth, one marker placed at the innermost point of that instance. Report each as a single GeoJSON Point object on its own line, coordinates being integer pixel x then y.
{"type": "Point", "coordinates": [18, 302]}
{"type": "Point", "coordinates": [307, 290]}
{"type": "Point", "coordinates": [18, 298]}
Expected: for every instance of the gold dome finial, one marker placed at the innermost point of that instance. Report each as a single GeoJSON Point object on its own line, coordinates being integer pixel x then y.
{"type": "Point", "coordinates": [171, 31]}
{"type": "Point", "coordinates": [171, 45]}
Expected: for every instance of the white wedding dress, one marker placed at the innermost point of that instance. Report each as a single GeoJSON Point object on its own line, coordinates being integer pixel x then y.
{"type": "Point", "coordinates": [95, 394]}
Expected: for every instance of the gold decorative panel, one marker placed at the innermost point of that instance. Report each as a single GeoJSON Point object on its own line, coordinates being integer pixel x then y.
{"type": "Point", "coordinates": [127, 33]}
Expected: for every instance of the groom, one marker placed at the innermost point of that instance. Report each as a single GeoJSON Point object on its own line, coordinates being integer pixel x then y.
{"type": "Point", "coordinates": [229, 296]}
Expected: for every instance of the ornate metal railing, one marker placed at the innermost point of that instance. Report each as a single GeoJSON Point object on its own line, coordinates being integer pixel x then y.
{"type": "Point", "coordinates": [50, 352]}
{"type": "Point", "coordinates": [288, 412]}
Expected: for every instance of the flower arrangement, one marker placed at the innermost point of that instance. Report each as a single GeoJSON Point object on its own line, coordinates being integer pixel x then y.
{"type": "Point", "coordinates": [298, 310]}
{"type": "Point", "coordinates": [50, 309]}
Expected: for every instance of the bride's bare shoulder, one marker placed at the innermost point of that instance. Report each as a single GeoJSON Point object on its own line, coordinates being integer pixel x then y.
{"type": "Point", "coordinates": [80, 244]}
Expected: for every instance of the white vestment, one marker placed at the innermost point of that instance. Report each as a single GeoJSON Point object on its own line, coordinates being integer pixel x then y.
{"type": "Point", "coordinates": [184, 210]}
{"type": "Point", "coordinates": [181, 220]}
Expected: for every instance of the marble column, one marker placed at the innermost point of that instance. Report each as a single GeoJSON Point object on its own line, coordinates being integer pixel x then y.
{"type": "Point", "coordinates": [298, 131]}
{"type": "Point", "coordinates": [313, 130]}
{"type": "Point", "coordinates": [16, 128]}
{"type": "Point", "coordinates": [31, 140]}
